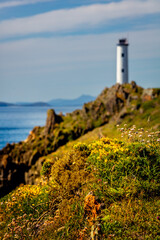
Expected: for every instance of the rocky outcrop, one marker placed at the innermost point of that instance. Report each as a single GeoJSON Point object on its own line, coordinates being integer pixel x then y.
{"type": "Point", "coordinates": [21, 163]}
{"type": "Point", "coordinates": [52, 119]}
{"type": "Point", "coordinates": [11, 172]}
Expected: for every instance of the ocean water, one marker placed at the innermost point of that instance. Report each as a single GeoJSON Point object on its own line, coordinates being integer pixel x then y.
{"type": "Point", "coordinates": [17, 122]}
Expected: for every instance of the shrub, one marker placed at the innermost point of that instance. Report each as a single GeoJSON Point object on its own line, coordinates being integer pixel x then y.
{"type": "Point", "coordinates": [46, 168]}
{"type": "Point", "coordinates": [115, 163]}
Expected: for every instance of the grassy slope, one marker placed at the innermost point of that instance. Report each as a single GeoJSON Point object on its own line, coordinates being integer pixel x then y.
{"type": "Point", "coordinates": [123, 176]}
{"type": "Point", "coordinates": [147, 117]}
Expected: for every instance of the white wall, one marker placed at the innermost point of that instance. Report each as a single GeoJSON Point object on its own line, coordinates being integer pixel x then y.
{"type": "Point", "coordinates": [122, 63]}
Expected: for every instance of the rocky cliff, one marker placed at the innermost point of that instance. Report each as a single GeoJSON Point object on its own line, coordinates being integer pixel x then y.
{"type": "Point", "coordinates": [21, 162]}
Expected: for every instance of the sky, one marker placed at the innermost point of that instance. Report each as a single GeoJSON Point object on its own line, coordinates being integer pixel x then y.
{"type": "Point", "coordinates": [65, 48]}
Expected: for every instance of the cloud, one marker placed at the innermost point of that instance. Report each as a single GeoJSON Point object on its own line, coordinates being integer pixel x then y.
{"type": "Point", "coordinates": [20, 2]}
{"type": "Point", "coordinates": [45, 68]}
{"type": "Point", "coordinates": [57, 53]}
{"type": "Point", "coordinates": [77, 18]}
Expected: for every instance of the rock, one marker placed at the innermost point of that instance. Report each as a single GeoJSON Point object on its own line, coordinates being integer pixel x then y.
{"type": "Point", "coordinates": [33, 172]}
{"type": "Point", "coordinates": [33, 134]}
{"type": "Point", "coordinates": [35, 155]}
{"type": "Point", "coordinates": [52, 119]}
{"type": "Point", "coordinates": [11, 174]}
{"type": "Point", "coordinates": [147, 94]}
{"type": "Point", "coordinates": [123, 113]}
{"type": "Point", "coordinates": [134, 85]}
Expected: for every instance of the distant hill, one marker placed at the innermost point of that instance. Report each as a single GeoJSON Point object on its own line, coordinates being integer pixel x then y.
{"type": "Point", "coordinates": [5, 104]}
{"type": "Point", "coordinates": [71, 102]}
{"type": "Point", "coordinates": [54, 102]}
{"type": "Point", "coordinates": [35, 104]}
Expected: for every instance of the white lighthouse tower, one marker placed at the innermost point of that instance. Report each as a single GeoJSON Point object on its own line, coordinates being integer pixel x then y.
{"type": "Point", "coordinates": [122, 61]}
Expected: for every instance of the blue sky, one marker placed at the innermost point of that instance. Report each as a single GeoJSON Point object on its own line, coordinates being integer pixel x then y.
{"type": "Point", "coordinates": [65, 48]}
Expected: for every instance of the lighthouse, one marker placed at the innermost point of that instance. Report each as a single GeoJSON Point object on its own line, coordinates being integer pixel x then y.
{"type": "Point", "coordinates": [122, 61]}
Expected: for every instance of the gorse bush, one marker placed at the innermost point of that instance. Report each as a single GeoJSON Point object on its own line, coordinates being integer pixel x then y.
{"type": "Point", "coordinates": [117, 164]}
{"type": "Point", "coordinates": [108, 188]}
{"type": "Point", "coordinates": [128, 182]}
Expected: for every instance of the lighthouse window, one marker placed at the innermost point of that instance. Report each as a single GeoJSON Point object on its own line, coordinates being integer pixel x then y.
{"type": "Point", "coordinates": [122, 70]}
{"type": "Point", "coordinates": [122, 54]}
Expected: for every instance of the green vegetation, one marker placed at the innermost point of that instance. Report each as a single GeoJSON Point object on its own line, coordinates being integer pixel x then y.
{"type": "Point", "coordinates": [107, 188]}
{"type": "Point", "coordinates": [100, 177]}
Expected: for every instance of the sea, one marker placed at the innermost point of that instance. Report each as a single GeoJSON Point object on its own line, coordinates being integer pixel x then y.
{"type": "Point", "coordinates": [16, 122]}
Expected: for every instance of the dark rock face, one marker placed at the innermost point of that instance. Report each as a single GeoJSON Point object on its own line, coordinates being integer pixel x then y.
{"type": "Point", "coordinates": [11, 173]}
{"type": "Point", "coordinates": [21, 163]}
{"type": "Point", "coordinates": [52, 119]}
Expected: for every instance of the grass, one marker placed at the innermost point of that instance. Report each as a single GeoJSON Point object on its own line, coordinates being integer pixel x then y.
{"type": "Point", "coordinates": [106, 187]}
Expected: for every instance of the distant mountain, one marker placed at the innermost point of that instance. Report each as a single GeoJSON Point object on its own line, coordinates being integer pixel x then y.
{"type": "Point", "coordinates": [71, 102]}
{"type": "Point", "coordinates": [24, 104]}
{"type": "Point", "coordinates": [35, 104]}
{"type": "Point", "coordinates": [54, 102]}
{"type": "Point", "coordinates": [5, 104]}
